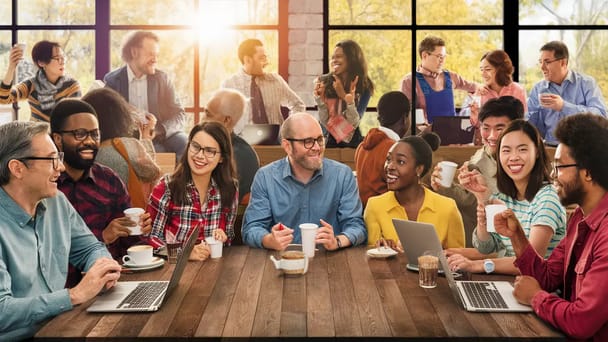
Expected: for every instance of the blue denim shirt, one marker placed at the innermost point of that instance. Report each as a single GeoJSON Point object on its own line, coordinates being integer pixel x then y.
{"type": "Point", "coordinates": [34, 255]}
{"type": "Point", "coordinates": [276, 196]}
{"type": "Point", "coordinates": [580, 93]}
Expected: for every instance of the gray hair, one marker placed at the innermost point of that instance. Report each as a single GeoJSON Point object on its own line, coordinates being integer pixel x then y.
{"type": "Point", "coordinates": [229, 102]}
{"type": "Point", "coordinates": [134, 40]}
{"type": "Point", "coordinates": [16, 142]}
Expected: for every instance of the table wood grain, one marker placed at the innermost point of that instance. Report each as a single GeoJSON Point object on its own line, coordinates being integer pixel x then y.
{"type": "Point", "coordinates": [344, 294]}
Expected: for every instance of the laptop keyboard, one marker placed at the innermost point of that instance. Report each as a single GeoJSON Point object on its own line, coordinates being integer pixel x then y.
{"type": "Point", "coordinates": [144, 295]}
{"type": "Point", "coordinates": [484, 295]}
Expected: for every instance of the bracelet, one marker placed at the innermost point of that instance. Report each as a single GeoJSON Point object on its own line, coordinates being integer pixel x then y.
{"type": "Point", "coordinates": [339, 242]}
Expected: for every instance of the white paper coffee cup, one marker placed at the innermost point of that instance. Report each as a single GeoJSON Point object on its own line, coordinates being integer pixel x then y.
{"type": "Point", "coordinates": [491, 211]}
{"type": "Point", "coordinates": [309, 235]}
{"type": "Point", "coordinates": [448, 170]}
{"type": "Point", "coordinates": [420, 116]}
{"type": "Point", "coordinates": [216, 247]}
{"type": "Point", "coordinates": [134, 214]}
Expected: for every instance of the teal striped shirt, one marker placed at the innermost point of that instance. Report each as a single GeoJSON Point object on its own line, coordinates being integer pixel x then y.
{"type": "Point", "coordinates": [544, 209]}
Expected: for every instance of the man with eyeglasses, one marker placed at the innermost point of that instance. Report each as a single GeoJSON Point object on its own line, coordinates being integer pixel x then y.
{"type": "Point", "coordinates": [304, 187]}
{"type": "Point", "coordinates": [563, 92]}
{"type": "Point", "coordinates": [434, 85]}
{"type": "Point", "coordinates": [41, 234]}
{"type": "Point", "coordinates": [578, 266]}
{"type": "Point", "coordinates": [150, 90]}
{"type": "Point", "coordinates": [96, 191]}
{"type": "Point", "coordinates": [266, 92]}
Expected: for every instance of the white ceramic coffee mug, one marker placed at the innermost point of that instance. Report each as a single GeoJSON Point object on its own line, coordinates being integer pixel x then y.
{"type": "Point", "coordinates": [134, 214]}
{"type": "Point", "coordinates": [138, 255]}
{"type": "Point", "coordinates": [491, 211]}
{"type": "Point", "coordinates": [448, 170]}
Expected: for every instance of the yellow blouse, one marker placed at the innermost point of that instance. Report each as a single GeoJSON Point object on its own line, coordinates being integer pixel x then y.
{"type": "Point", "coordinates": [436, 209]}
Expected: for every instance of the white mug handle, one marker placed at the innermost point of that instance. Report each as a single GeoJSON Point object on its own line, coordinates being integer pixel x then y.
{"type": "Point", "coordinates": [126, 259]}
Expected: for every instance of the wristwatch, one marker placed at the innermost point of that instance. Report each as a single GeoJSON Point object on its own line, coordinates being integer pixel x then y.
{"type": "Point", "coordinates": [339, 242]}
{"type": "Point", "coordinates": [488, 266]}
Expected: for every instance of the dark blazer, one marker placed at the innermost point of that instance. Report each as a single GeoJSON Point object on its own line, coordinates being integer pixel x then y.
{"type": "Point", "coordinates": [162, 101]}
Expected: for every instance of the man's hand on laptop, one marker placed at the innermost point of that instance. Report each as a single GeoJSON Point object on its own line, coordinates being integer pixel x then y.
{"type": "Point", "coordinates": [525, 287]}
{"type": "Point", "coordinates": [102, 275]}
{"type": "Point", "coordinates": [279, 237]}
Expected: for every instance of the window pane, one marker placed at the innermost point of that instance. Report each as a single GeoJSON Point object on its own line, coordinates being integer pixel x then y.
{"type": "Point", "coordinates": [388, 59]}
{"type": "Point", "coordinates": [210, 12]}
{"type": "Point", "coordinates": [78, 47]}
{"type": "Point", "coordinates": [150, 12]}
{"type": "Point", "coordinates": [370, 12]}
{"type": "Point", "coordinates": [219, 57]}
{"type": "Point", "coordinates": [464, 49]}
{"type": "Point", "coordinates": [176, 58]}
{"type": "Point", "coordinates": [459, 12]}
{"type": "Point", "coordinates": [5, 13]}
{"type": "Point", "coordinates": [5, 48]}
{"type": "Point", "coordinates": [586, 49]}
{"type": "Point", "coordinates": [564, 12]}
{"type": "Point", "coordinates": [61, 12]}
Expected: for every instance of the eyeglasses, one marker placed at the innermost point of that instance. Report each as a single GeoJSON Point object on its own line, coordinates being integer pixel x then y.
{"type": "Point", "coordinates": [60, 59]}
{"type": "Point", "coordinates": [547, 62]}
{"type": "Point", "coordinates": [439, 56]}
{"type": "Point", "coordinates": [556, 167]}
{"type": "Point", "coordinates": [56, 160]}
{"type": "Point", "coordinates": [81, 134]}
{"type": "Point", "coordinates": [195, 148]}
{"type": "Point", "coordinates": [310, 142]}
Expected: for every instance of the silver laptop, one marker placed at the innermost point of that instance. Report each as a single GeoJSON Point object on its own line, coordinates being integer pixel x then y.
{"type": "Point", "coordinates": [141, 296]}
{"type": "Point", "coordinates": [261, 134]}
{"type": "Point", "coordinates": [483, 296]}
{"type": "Point", "coordinates": [416, 238]}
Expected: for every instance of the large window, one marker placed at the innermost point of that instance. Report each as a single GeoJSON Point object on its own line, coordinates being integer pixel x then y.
{"type": "Point", "coordinates": [198, 38]}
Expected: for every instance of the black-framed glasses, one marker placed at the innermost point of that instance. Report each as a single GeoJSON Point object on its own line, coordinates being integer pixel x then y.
{"type": "Point", "coordinates": [547, 62]}
{"type": "Point", "coordinates": [310, 142]}
{"type": "Point", "coordinates": [81, 134]}
{"type": "Point", "coordinates": [195, 149]}
{"type": "Point", "coordinates": [60, 59]}
{"type": "Point", "coordinates": [56, 160]}
{"type": "Point", "coordinates": [556, 167]}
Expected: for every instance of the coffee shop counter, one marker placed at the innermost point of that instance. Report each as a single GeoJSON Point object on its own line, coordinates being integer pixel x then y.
{"type": "Point", "coordinates": [343, 294]}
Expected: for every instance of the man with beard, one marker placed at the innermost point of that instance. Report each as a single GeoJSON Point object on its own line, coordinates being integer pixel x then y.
{"type": "Point", "coordinates": [578, 266]}
{"type": "Point", "coordinates": [95, 191]}
{"type": "Point", "coordinates": [150, 90]}
{"type": "Point", "coordinates": [303, 188]}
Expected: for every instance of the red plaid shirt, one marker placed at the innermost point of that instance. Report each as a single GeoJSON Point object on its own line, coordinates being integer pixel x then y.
{"type": "Point", "coordinates": [173, 222]}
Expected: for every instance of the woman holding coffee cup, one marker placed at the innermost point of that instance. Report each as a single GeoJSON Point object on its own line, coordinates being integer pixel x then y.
{"type": "Point", "coordinates": [202, 191]}
{"type": "Point", "coordinates": [47, 87]}
{"type": "Point", "coordinates": [407, 162]}
{"type": "Point", "coordinates": [524, 186]}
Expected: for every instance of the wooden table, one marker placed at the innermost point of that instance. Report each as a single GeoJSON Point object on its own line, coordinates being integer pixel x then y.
{"type": "Point", "coordinates": [344, 294]}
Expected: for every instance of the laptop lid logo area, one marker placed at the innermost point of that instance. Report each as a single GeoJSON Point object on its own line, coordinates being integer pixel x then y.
{"type": "Point", "coordinates": [417, 238]}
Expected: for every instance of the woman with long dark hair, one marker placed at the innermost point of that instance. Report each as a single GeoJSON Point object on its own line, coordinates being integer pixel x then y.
{"type": "Point", "coordinates": [523, 186]}
{"type": "Point", "coordinates": [342, 95]}
{"type": "Point", "coordinates": [202, 191]}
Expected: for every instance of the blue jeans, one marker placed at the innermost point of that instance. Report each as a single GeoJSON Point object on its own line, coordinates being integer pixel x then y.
{"type": "Point", "coordinates": [175, 143]}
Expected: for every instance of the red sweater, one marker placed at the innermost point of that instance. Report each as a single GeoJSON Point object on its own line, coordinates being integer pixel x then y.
{"type": "Point", "coordinates": [369, 164]}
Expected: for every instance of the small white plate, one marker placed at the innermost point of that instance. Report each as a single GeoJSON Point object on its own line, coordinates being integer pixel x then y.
{"type": "Point", "coordinates": [156, 262]}
{"type": "Point", "coordinates": [381, 252]}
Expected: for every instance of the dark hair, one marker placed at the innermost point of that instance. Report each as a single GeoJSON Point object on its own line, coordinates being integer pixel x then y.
{"type": "Point", "coordinates": [507, 106]}
{"type": "Point", "coordinates": [66, 108]}
{"type": "Point", "coordinates": [560, 50]}
{"type": "Point", "coordinates": [429, 43]}
{"type": "Point", "coordinates": [133, 40]}
{"type": "Point", "coordinates": [431, 138]}
{"type": "Point", "coordinates": [224, 173]}
{"type": "Point", "coordinates": [357, 66]}
{"type": "Point", "coordinates": [421, 150]}
{"type": "Point", "coordinates": [247, 48]}
{"type": "Point", "coordinates": [503, 65]}
{"type": "Point", "coordinates": [586, 135]}
{"type": "Point", "coordinates": [392, 107]}
{"type": "Point", "coordinates": [43, 51]}
{"type": "Point", "coordinates": [113, 113]}
{"type": "Point", "coordinates": [539, 175]}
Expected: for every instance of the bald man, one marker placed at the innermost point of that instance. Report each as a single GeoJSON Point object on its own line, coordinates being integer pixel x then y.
{"type": "Point", "coordinates": [304, 188]}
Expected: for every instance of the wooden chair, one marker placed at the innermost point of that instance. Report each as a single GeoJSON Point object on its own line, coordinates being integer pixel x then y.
{"type": "Point", "coordinates": [166, 162]}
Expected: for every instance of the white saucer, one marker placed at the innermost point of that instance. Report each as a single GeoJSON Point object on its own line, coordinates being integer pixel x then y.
{"type": "Point", "coordinates": [381, 252]}
{"type": "Point", "coordinates": [156, 262]}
